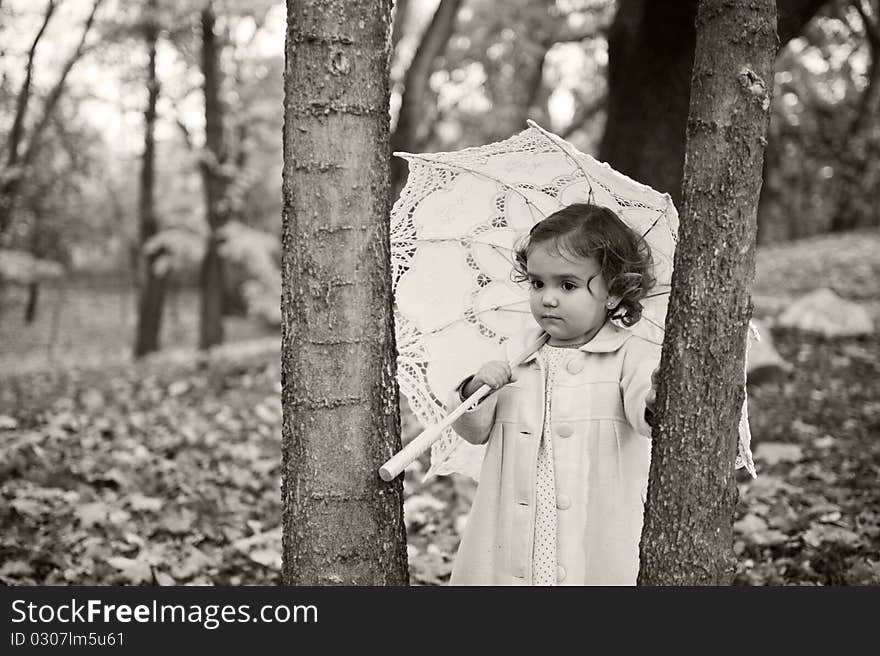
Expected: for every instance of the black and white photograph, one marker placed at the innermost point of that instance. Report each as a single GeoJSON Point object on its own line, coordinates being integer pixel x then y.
{"type": "Point", "coordinates": [438, 293]}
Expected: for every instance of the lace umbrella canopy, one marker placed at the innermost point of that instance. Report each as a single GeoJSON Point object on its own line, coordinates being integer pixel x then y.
{"type": "Point", "coordinates": [453, 230]}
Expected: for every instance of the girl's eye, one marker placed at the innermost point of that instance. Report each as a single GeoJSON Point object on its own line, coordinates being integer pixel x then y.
{"type": "Point", "coordinates": [537, 284]}
{"type": "Point", "coordinates": [569, 286]}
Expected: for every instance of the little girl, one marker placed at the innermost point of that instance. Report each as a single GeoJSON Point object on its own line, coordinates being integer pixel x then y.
{"type": "Point", "coordinates": [564, 478]}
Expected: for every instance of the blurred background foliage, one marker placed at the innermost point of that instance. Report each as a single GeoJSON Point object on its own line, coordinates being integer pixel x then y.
{"type": "Point", "coordinates": [75, 86]}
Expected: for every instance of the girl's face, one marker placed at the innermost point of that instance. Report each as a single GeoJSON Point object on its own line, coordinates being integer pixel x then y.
{"type": "Point", "coordinates": [568, 295]}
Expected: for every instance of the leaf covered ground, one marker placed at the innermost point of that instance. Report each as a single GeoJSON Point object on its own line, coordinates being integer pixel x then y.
{"type": "Point", "coordinates": [168, 472]}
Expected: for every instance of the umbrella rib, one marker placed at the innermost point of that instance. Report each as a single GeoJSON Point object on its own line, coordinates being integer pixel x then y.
{"type": "Point", "coordinates": [505, 308]}
{"type": "Point", "coordinates": [481, 174]}
{"type": "Point", "coordinates": [565, 152]}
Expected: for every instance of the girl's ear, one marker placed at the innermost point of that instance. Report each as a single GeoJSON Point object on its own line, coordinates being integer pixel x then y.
{"type": "Point", "coordinates": [612, 302]}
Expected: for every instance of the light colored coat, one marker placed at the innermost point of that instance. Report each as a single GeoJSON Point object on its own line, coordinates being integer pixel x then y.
{"type": "Point", "coordinates": [601, 457]}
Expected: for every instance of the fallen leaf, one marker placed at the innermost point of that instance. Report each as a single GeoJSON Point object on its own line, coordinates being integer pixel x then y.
{"type": "Point", "coordinates": [164, 579]}
{"type": "Point", "coordinates": [179, 522]}
{"type": "Point", "coordinates": [93, 513]}
{"type": "Point", "coordinates": [268, 557]}
{"type": "Point", "coordinates": [749, 525]}
{"type": "Point", "coordinates": [773, 453]}
{"type": "Point", "coordinates": [117, 516]}
{"type": "Point", "coordinates": [16, 568]}
{"type": "Point", "coordinates": [824, 442]}
{"type": "Point", "coordinates": [819, 533]}
{"type": "Point", "coordinates": [138, 501]}
{"type": "Point", "coordinates": [195, 561]}
{"type": "Point", "coordinates": [755, 529]}
{"type": "Point", "coordinates": [178, 387]}
{"type": "Point", "coordinates": [29, 507]}
{"type": "Point", "coordinates": [135, 570]}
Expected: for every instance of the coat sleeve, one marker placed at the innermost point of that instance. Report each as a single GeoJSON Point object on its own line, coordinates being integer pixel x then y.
{"type": "Point", "coordinates": [475, 425]}
{"type": "Point", "coordinates": [640, 359]}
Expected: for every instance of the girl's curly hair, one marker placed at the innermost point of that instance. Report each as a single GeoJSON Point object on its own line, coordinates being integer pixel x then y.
{"type": "Point", "coordinates": [588, 230]}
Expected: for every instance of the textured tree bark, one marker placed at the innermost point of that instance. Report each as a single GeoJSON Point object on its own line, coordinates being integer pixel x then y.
{"type": "Point", "coordinates": [342, 525]}
{"type": "Point", "coordinates": [152, 290]}
{"type": "Point", "coordinates": [211, 277]}
{"type": "Point", "coordinates": [651, 49]}
{"type": "Point", "coordinates": [687, 537]}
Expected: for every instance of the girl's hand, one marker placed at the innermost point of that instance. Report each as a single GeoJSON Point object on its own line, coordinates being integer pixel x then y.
{"type": "Point", "coordinates": [652, 393]}
{"type": "Point", "coordinates": [495, 374]}
{"type": "Point", "coordinates": [651, 398]}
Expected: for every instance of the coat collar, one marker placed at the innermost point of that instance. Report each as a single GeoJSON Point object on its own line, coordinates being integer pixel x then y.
{"type": "Point", "coordinates": [609, 339]}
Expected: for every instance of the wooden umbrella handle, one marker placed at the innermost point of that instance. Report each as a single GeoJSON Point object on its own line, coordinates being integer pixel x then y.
{"type": "Point", "coordinates": [398, 462]}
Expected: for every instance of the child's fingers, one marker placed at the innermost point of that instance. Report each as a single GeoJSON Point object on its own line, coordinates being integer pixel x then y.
{"type": "Point", "coordinates": [650, 398]}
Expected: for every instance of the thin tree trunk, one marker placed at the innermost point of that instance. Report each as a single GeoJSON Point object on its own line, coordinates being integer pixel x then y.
{"type": "Point", "coordinates": [688, 536]}
{"type": "Point", "coordinates": [30, 311]}
{"type": "Point", "coordinates": [342, 525]}
{"type": "Point", "coordinates": [410, 133]}
{"type": "Point", "coordinates": [12, 183]}
{"type": "Point", "coordinates": [212, 278]}
{"type": "Point", "coordinates": [24, 94]}
{"type": "Point", "coordinates": [152, 290]}
{"type": "Point", "coordinates": [858, 206]}
{"type": "Point", "coordinates": [55, 93]}
{"type": "Point", "coordinates": [651, 46]}
{"type": "Point", "coordinates": [401, 12]}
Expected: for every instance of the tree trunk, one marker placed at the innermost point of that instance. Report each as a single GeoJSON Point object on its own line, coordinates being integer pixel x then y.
{"type": "Point", "coordinates": [650, 56]}
{"type": "Point", "coordinates": [651, 46]}
{"type": "Point", "coordinates": [211, 278]}
{"type": "Point", "coordinates": [12, 176]}
{"type": "Point", "coordinates": [24, 93]}
{"type": "Point", "coordinates": [401, 13]}
{"type": "Point", "coordinates": [410, 132]}
{"type": "Point", "coordinates": [688, 537]}
{"type": "Point", "coordinates": [17, 162]}
{"type": "Point", "coordinates": [342, 524]}
{"type": "Point", "coordinates": [152, 290]}
{"type": "Point", "coordinates": [30, 310]}
{"type": "Point", "coordinates": [859, 205]}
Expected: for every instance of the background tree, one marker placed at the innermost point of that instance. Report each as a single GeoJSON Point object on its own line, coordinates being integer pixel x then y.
{"type": "Point", "coordinates": [688, 532]}
{"type": "Point", "coordinates": [23, 146]}
{"type": "Point", "coordinates": [859, 178]}
{"type": "Point", "coordinates": [153, 279]}
{"type": "Point", "coordinates": [410, 133]}
{"type": "Point", "coordinates": [216, 180]}
{"type": "Point", "coordinates": [651, 49]}
{"type": "Point", "coordinates": [342, 524]}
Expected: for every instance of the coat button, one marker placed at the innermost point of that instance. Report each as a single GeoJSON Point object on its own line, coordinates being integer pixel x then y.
{"type": "Point", "coordinates": [560, 573]}
{"type": "Point", "coordinates": [564, 430]}
{"type": "Point", "coordinates": [563, 502]}
{"type": "Point", "coordinates": [575, 365]}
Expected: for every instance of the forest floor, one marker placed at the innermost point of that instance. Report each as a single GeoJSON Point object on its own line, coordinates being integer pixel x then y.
{"type": "Point", "coordinates": [168, 471]}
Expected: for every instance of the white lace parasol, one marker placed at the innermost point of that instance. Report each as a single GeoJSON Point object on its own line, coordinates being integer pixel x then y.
{"type": "Point", "coordinates": [453, 230]}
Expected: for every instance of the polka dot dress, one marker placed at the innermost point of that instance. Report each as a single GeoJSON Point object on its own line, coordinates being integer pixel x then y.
{"type": "Point", "coordinates": [544, 554]}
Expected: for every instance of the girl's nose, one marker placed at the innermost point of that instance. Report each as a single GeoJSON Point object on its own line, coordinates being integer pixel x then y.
{"type": "Point", "coordinates": [549, 299]}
